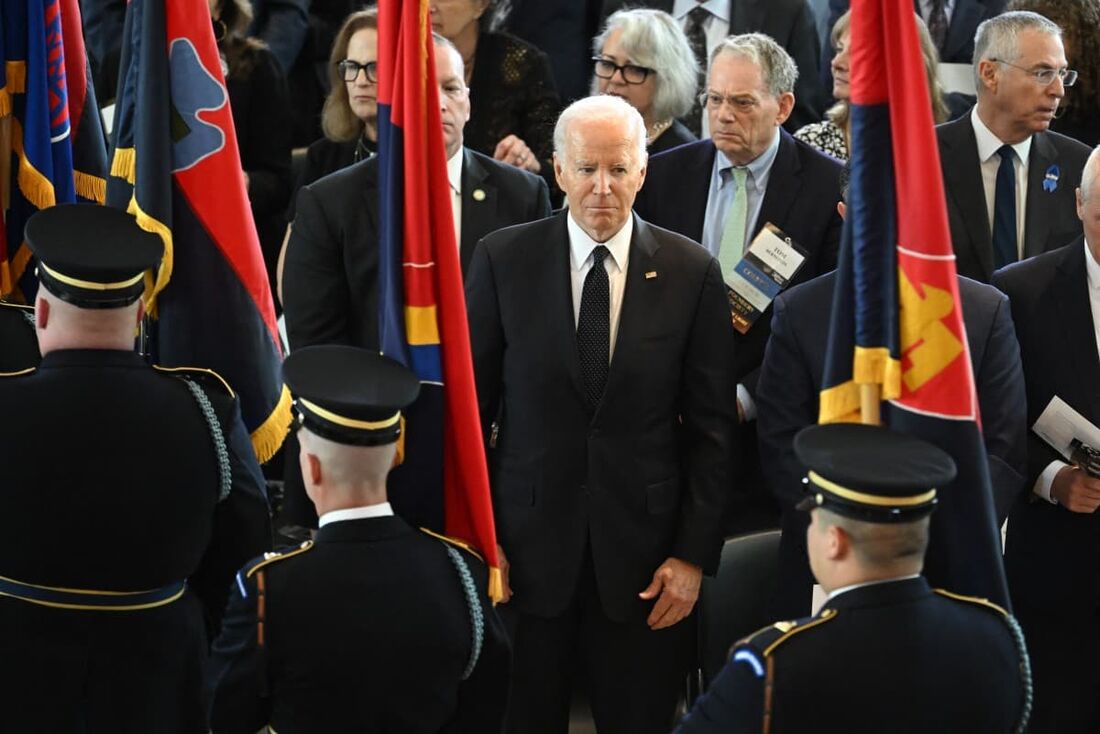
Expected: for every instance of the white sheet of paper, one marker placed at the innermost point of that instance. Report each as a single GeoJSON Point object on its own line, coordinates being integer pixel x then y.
{"type": "Point", "coordinates": [1059, 424]}
{"type": "Point", "coordinates": [958, 78]}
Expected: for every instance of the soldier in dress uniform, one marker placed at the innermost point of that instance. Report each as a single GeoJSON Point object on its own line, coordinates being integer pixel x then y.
{"type": "Point", "coordinates": [18, 346]}
{"type": "Point", "coordinates": [373, 626]}
{"type": "Point", "coordinates": [129, 496]}
{"type": "Point", "coordinates": [886, 653]}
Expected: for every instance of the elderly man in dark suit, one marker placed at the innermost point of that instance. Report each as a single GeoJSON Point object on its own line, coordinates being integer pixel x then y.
{"type": "Point", "coordinates": [750, 174]}
{"type": "Point", "coordinates": [787, 401]}
{"type": "Point", "coordinates": [708, 22]}
{"type": "Point", "coordinates": [1054, 533]}
{"type": "Point", "coordinates": [1009, 180]}
{"type": "Point", "coordinates": [602, 345]}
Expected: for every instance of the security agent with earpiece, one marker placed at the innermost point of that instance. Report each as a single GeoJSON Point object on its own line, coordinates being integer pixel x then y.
{"type": "Point", "coordinates": [373, 626]}
{"type": "Point", "coordinates": [886, 653]}
{"type": "Point", "coordinates": [130, 495]}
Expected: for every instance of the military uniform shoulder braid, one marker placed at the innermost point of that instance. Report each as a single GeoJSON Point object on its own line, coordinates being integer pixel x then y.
{"type": "Point", "coordinates": [1017, 637]}
{"type": "Point", "coordinates": [470, 591]}
{"type": "Point", "coordinates": [196, 379]}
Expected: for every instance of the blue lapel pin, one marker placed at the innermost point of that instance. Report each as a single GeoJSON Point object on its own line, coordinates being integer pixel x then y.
{"type": "Point", "coordinates": [1050, 179]}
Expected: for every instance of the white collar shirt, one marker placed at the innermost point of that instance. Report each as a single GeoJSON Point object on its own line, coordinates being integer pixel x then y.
{"type": "Point", "coordinates": [717, 27]}
{"type": "Point", "coordinates": [454, 177]}
{"type": "Point", "coordinates": [988, 145]}
{"type": "Point", "coordinates": [382, 509]}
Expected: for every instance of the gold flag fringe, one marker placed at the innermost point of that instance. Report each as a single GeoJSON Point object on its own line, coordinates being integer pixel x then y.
{"type": "Point", "coordinates": [270, 434]}
{"type": "Point", "coordinates": [90, 187]}
{"type": "Point", "coordinates": [496, 584]}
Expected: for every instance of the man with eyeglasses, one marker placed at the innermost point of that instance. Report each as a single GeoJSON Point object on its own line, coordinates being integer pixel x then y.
{"type": "Point", "coordinates": [1008, 178]}
{"type": "Point", "coordinates": [330, 273]}
{"type": "Point", "coordinates": [723, 191]}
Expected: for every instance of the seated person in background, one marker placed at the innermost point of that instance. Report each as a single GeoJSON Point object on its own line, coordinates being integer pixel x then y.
{"type": "Point", "coordinates": [886, 653]}
{"type": "Point", "coordinates": [787, 401]}
{"type": "Point", "coordinates": [831, 134]}
{"type": "Point", "coordinates": [373, 626]}
{"type": "Point", "coordinates": [721, 192]}
{"type": "Point", "coordinates": [18, 345]}
{"type": "Point", "coordinates": [513, 101]}
{"type": "Point", "coordinates": [643, 57]}
{"type": "Point", "coordinates": [1079, 20]}
{"type": "Point", "coordinates": [1008, 179]}
{"type": "Point", "coordinates": [350, 115]}
{"type": "Point", "coordinates": [133, 494]}
{"type": "Point", "coordinates": [261, 117]}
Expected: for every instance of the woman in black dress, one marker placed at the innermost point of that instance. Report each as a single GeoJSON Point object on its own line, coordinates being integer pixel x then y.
{"type": "Point", "coordinates": [643, 56]}
{"type": "Point", "coordinates": [513, 102]}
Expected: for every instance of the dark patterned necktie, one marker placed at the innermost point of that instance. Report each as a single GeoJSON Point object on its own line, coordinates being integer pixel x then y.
{"type": "Point", "coordinates": [696, 32]}
{"type": "Point", "coordinates": [594, 328]}
{"type": "Point", "coordinates": [937, 23]}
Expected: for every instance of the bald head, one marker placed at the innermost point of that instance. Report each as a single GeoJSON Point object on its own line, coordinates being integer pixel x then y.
{"type": "Point", "coordinates": [340, 475]}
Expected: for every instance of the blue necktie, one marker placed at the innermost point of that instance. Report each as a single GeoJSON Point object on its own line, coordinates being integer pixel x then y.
{"type": "Point", "coordinates": [1004, 210]}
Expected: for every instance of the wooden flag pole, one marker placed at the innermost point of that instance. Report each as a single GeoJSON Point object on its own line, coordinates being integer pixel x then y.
{"type": "Point", "coordinates": [870, 404]}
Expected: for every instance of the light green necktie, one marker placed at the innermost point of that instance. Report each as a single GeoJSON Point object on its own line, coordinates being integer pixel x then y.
{"type": "Point", "coordinates": [733, 233]}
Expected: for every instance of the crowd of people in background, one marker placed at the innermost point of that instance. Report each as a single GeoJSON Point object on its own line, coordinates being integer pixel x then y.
{"type": "Point", "coordinates": [609, 165]}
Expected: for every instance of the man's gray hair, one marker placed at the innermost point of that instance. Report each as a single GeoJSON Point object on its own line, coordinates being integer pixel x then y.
{"type": "Point", "coordinates": [652, 38]}
{"type": "Point", "coordinates": [776, 65]}
{"type": "Point", "coordinates": [456, 56]}
{"type": "Point", "coordinates": [998, 37]}
{"type": "Point", "coordinates": [1090, 173]}
{"type": "Point", "coordinates": [601, 107]}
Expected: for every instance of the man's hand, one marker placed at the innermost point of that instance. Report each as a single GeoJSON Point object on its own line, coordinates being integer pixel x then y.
{"type": "Point", "coordinates": [504, 566]}
{"type": "Point", "coordinates": [677, 582]}
{"type": "Point", "coordinates": [1075, 490]}
{"type": "Point", "coordinates": [513, 151]}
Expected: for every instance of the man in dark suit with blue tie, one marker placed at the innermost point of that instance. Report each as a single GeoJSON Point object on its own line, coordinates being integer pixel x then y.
{"type": "Point", "coordinates": [1054, 531]}
{"type": "Point", "coordinates": [601, 347]}
{"type": "Point", "coordinates": [1008, 179]}
{"type": "Point", "coordinates": [721, 192]}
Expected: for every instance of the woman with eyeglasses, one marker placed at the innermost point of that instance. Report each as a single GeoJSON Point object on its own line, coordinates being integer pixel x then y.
{"type": "Point", "coordinates": [831, 134]}
{"type": "Point", "coordinates": [513, 101]}
{"type": "Point", "coordinates": [259, 99]}
{"type": "Point", "coordinates": [643, 57]}
{"type": "Point", "coordinates": [350, 115]}
{"type": "Point", "coordinates": [1079, 112]}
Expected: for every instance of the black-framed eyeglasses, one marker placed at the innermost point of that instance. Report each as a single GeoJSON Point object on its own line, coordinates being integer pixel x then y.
{"type": "Point", "coordinates": [1045, 77]}
{"type": "Point", "coordinates": [632, 73]}
{"type": "Point", "coordinates": [350, 70]}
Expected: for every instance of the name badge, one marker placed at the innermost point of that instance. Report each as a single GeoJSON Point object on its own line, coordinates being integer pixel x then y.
{"type": "Point", "coordinates": [769, 265]}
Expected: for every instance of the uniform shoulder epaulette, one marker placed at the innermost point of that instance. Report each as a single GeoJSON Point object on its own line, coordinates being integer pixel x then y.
{"type": "Point", "coordinates": [201, 374]}
{"type": "Point", "coordinates": [455, 542]}
{"type": "Point", "coordinates": [275, 556]}
{"type": "Point", "coordinates": [975, 600]}
{"type": "Point", "coordinates": [767, 639]}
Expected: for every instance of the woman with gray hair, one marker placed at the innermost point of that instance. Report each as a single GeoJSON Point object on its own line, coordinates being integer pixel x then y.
{"type": "Point", "coordinates": [643, 57]}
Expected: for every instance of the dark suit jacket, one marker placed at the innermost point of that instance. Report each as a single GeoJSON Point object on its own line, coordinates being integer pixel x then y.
{"type": "Point", "coordinates": [790, 22]}
{"type": "Point", "coordinates": [646, 477]}
{"type": "Point", "coordinates": [787, 401]}
{"type": "Point", "coordinates": [850, 669]}
{"type": "Point", "coordinates": [367, 630]}
{"type": "Point", "coordinates": [803, 190]}
{"type": "Point", "coordinates": [1051, 218]}
{"type": "Point", "coordinates": [330, 281]}
{"type": "Point", "coordinates": [1050, 302]}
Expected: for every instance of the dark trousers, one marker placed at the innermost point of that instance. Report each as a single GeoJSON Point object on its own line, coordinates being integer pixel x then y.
{"type": "Point", "coordinates": [633, 675]}
{"type": "Point", "coordinates": [1065, 667]}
